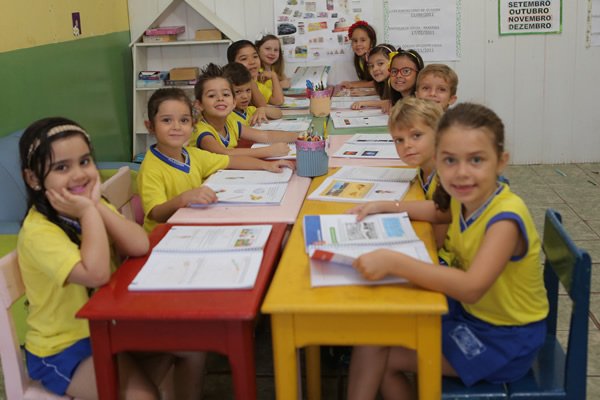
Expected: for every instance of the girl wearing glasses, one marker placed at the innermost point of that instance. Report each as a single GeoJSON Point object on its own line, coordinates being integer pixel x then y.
{"type": "Point", "coordinates": [404, 68]}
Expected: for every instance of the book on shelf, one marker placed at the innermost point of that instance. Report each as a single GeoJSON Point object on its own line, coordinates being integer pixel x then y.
{"type": "Point", "coordinates": [159, 38]}
{"type": "Point", "coordinates": [247, 187]}
{"type": "Point", "coordinates": [181, 82]}
{"type": "Point", "coordinates": [289, 125]}
{"type": "Point", "coordinates": [291, 155]}
{"type": "Point", "coordinates": [204, 257]}
{"type": "Point", "coordinates": [333, 242]}
{"type": "Point", "coordinates": [153, 75]}
{"type": "Point", "coordinates": [165, 30]}
{"type": "Point", "coordinates": [145, 83]}
{"type": "Point", "coordinates": [364, 184]}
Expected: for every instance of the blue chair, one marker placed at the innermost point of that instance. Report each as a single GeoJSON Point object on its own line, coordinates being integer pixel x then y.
{"type": "Point", "coordinates": [554, 374]}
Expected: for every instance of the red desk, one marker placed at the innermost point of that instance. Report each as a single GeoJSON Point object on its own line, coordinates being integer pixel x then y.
{"type": "Point", "coordinates": [211, 320]}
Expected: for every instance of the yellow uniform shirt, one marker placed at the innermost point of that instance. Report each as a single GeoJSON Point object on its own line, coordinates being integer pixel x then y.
{"type": "Point", "coordinates": [243, 116]}
{"type": "Point", "coordinates": [233, 127]}
{"type": "Point", "coordinates": [266, 89]}
{"type": "Point", "coordinates": [161, 178]}
{"type": "Point", "coordinates": [46, 258]}
{"type": "Point", "coordinates": [518, 296]}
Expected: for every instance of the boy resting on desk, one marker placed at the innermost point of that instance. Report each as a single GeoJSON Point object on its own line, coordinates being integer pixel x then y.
{"type": "Point", "coordinates": [249, 115]}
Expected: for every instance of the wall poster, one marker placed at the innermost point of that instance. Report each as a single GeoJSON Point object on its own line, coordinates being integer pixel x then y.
{"type": "Point", "coordinates": [432, 27]}
{"type": "Point", "coordinates": [527, 17]}
{"type": "Point", "coordinates": [317, 31]}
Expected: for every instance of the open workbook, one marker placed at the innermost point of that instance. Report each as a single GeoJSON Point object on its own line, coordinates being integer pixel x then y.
{"type": "Point", "coordinates": [204, 257]}
{"type": "Point", "coordinates": [333, 242]}
{"type": "Point", "coordinates": [363, 184]}
{"type": "Point", "coordinates": [247, 187]}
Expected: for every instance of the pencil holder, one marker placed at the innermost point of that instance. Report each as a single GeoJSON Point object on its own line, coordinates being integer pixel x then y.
{"type": "Point", "coordinates": [311, 158]}
{"type": "Point", "coordinates": [320, 102]}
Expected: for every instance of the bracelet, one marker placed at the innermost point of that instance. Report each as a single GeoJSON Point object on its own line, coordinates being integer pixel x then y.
{"type": "Point", "coordinates": [397, 203]}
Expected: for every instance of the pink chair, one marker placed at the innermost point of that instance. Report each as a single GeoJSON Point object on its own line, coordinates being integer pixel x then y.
{"type": "Point", "coordinates": [16, 380]}
{"type": "Point", "coordinates": [117, 189]}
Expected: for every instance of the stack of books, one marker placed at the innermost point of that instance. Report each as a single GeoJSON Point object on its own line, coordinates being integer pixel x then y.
{"type": "Point", "coordinates": [162, 34]}
{"type": "Point", "coordinates": [153, 79]}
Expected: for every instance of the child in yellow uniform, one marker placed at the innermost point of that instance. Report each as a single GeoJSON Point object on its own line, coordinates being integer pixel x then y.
{"type": "Point", "coordinates": [497, 300]}
{"type": "Point", "coordinates": [271, 59]}
{"type": "Point", "coordinates": [405, 65]}
{"type": "Point", "coordinates": [67, 245]}
{"type": "Point", "coordinates": [171, 175]}
{"type": "Point", "coordinates": [437, 82]}
{"type": "Point", "coordinates": [378, 65]}
{"type": "Point", "coordinates": [363, 38]}
{"type": "Point", "coordinates": [267, 82]}
{"type": "Point", "coordinates": [242, 91]}
{"type": "Point", "coordinates": [412, 125]}
{"type": "Point", "coordinates": [219, 132]}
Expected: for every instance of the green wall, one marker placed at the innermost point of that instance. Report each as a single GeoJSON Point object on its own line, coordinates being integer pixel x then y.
{"type": "Point", "coordinates": [88, 80]}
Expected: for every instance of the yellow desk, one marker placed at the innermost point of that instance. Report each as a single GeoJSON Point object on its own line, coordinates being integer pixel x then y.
{"type": "Point", "coordinates": [349, 315]}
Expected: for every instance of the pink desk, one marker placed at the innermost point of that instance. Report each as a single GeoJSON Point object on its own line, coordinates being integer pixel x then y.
{"type": "Point", "coordinates": [336, 141]}
{"type": "Point", "coordinates": [196, 320]}
{"type": "Point", "coordinates": [286, 212]}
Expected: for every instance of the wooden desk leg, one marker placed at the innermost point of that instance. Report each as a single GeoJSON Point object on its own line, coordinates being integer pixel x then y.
{"type": "Point", "coordinates": [241, 359]}
{"type": "Point", "coordinates": [284, 356]}
{"type": "Point", "coordinates": [429, 356]}
{"type": "Point", "coordinates": [313, 372]}
{"type": "Point", "coordinates": [105, 362]}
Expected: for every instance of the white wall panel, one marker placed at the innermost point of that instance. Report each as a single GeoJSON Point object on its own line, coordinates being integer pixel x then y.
{"type": "Point", "coordinates": [544, 87]}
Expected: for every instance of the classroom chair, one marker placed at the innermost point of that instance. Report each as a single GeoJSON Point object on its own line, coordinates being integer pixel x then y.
{"type": "Point", "coordinates": [17, 383]}
{"type": "Point", "coordinates": [119, 192]}
{"type": "Point", "coordinates": [555, 374]}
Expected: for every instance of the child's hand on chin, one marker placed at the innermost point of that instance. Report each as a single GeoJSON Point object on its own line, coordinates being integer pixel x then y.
{"type": "Point", "coordinates": [69, 204]}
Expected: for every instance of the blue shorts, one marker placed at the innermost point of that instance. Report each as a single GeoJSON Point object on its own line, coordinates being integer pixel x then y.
{"type": "Point", "coordinates": [478, 350]}
{"type": "Point", "coordinates": [55, 372]}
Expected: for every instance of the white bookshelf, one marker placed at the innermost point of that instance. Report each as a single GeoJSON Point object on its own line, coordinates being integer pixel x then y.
{"type": "Point", "coordinates": [185, 52]}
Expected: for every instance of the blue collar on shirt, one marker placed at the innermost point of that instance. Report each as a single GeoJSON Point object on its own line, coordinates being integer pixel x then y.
{"type": "Point", "coordinates": [464, 224]}
{"type": "Point", "coordinates": [72, 222]}
{"type": "Point", "coordinates": [182, 166]}
{"type": "Point", "coordinates": [425, 183]}
{"type": "Point", "coordinates": [243, 114]}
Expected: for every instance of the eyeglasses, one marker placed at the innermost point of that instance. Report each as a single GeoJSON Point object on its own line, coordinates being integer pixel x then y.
{"type": "Point", "coordinates": [406, 71]}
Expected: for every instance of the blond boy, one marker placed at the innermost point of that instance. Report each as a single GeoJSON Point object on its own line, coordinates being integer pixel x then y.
{"type": "Point", "coordinates": [437, 82]}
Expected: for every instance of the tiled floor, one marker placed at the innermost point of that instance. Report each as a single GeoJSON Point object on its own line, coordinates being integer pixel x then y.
{"type": "Point", "coordinates": [573, 190]}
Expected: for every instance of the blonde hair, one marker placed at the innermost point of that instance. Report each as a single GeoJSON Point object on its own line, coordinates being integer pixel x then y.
{"type": "Point", "coordinates": [443, 71]}
{"type": "Point", "coordinates": [410, 110]}
{"type": "Point", "coordinates": [278, 66]}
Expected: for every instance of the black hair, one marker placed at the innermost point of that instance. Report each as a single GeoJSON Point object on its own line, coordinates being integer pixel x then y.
{"type": "Point", "coordinates": [237, 73]}
{"type": "Point", "coordinates": [359, 62]}
{"type": "Point", "coordinates": [35, 151]}
{"type": "Point", "coordinates": [209, 72]}
{"type": "Point", "coordinates": [162, 95]}
{"type": "Point", "coordinates": [234, 47]}
{"type": "Point", "coordinates": [416, 58]}
{"type": "Point", "coordinates": [382, 88]}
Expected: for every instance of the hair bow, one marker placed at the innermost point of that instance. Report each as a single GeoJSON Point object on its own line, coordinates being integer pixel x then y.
{"type": "Point", "coordinates": [391, 57]}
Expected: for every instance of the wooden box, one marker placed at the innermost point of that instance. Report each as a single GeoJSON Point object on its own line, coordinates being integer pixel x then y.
{"type": "Point", "coordinates": [208, 34]}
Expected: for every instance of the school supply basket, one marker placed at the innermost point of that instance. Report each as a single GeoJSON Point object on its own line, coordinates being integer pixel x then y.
{"type": "Point", "coordinates": [311, 158]}
{"type": "Point", "coordinates": [320, 102]}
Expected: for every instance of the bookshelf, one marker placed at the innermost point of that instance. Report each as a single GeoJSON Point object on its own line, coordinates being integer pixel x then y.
{"type": "Point", "coordinates": [185, 52]}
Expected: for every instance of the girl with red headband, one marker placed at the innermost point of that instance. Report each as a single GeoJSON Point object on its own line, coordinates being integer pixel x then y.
{"type": "Point", "coordinates": [363, 38]}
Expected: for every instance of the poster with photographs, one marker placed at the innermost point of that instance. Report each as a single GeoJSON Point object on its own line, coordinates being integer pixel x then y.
{"type": "Point", "coordinates": [317, 31]}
